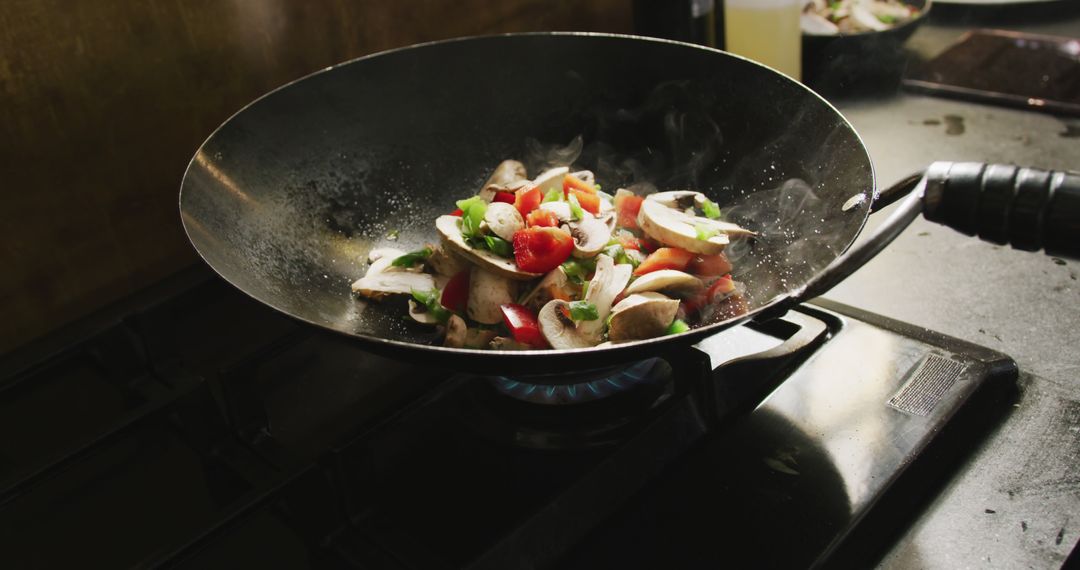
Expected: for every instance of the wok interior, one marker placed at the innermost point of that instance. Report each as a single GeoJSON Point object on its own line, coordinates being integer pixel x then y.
{"type": "Point", "coordinates": [288, 196]}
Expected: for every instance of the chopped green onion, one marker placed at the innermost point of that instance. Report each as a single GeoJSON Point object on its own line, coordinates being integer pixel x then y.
{"type": "Point", "coordinates": [553, 195]}
{"type": "Point", "coordinates": [412, 258]}
{"type": "Point", "coordinates": [597, 186]}
{"type": "Point", "coordinates": [576, 211]}
{"type": "Point", "coordinates": [711, 209]}
{"type": "Point", "coordinates": [886, 18]}
{"type": "Point", "coordinates": [430, 299]}
{"type": "Point", "coordinates": [583, 311]}
{"type": "Point", "coordinates": [585, 289]}
{"type": "Point", "coordinates": [499, 246]}
{"type": "Point", "coordinates": [472, 214]}
{"type": "Point", "coordinates": [704, 232]}
{"type": "Point", "coordinates": [677, 326]}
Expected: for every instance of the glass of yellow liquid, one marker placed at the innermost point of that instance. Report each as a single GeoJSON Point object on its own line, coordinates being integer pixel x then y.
{"type": "Point", "coordinates": [766, 31]}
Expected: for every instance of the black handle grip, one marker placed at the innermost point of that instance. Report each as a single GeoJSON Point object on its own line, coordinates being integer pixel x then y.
{"type": "Point", "coordinates": [1028, 208]}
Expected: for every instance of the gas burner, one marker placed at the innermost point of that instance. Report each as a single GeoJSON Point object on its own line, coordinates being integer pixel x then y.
{"type": "Point", "coordinates": [594, 386]}
{"type": "Point", "coordinates": [599, 407]}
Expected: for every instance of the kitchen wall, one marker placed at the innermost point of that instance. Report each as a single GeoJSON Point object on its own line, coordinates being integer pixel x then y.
{"type": "Point", "coordinates": [104, 103]}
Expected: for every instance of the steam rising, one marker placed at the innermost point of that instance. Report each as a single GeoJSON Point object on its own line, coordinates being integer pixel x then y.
{"type": "Point", "coordinates": [673, 141]}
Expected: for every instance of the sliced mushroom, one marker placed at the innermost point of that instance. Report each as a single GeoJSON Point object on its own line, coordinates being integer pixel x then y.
{"type": "Point", "coordinates": [420, 314]}
{"type": "Point", "coordinates": [815, 24]}
{"type": "Point", "coordinates": [561, 331]}
{"type": "Point", "coordinates": [554, 285]}
{"type": "Point", "coordinates": [486, 292]}
{"type": "Point", "coordinates": [444, 262]}
{"type": "Point", "coordinates": [585, 176]}
{"type": "Point", "coordinates": [662, 218]}
{"type": "Point", "coordinates": [382, 259]}
{"type": "Point", "coordinates": [478, 338]}
{"type": "Point", "coordinates": [551, 179]}
{"type": "Point", "coordinates": [507, 177]}
{"type": "Point", "coordinates": [608, 217]}
{"type": "Point", "coordinates": [861, 14]}
{"type": "Point", "coordinates": [383, 279]}
{"type": "Point", "coordinates": [590, 236]}
{"type": "Point", "coordinates": [384, 252]}
{"type": "Point", "coordinates": [607, 207]}
{"type": "Point", "coordinates": [456, 332]}
{"type": "Point", "coordinates": [451, 233]}
{"type": "Point", "coordinates": [488, 192]}
{"type": "Point", "coordinates": [505, 343]}
{"type": "Point", "coordinates": [670, 280]}
{"type": "Point", "coordinates": [503, 220]}
{"type": "Point", "coordinates": [608, 281]}
{"type": "Point", "coordinates": [507, 171]}
{"type": "Point", "coordinates": [641, 316]}
{"type": "Point", "coordinates": [560, 209]}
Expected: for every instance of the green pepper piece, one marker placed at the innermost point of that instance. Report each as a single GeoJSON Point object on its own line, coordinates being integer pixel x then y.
{"type": "Point", "coordinates": [412, 258]}
{"type": "Point", "coordinates": [583, 311]}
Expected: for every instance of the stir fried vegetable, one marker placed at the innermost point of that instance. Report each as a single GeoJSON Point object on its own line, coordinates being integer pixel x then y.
{"type": "Point", "coordinates": [553, 262]}
{"type": "Point", "coordinates": [838, 17]}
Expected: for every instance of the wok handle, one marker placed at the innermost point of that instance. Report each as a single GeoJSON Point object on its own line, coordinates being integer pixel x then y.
{"type": "Point", "coordinates": [842, 267]}
{"type": "Point", "coordinates": [1030, 209]}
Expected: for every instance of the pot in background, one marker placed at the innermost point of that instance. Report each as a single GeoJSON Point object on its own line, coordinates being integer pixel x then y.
{"type": "Point", "coordinates": [834, 61]}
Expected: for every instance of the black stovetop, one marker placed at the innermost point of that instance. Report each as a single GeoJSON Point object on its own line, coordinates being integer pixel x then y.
{"type": "Point", "coordinates": [190, 426]}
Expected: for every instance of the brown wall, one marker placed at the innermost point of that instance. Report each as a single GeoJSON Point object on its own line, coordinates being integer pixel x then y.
{"type": "Point", "coordinates": [103, 103]}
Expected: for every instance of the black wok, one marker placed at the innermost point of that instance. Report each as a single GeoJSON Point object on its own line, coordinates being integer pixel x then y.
{"type": "Point", "coordinates": [286, 198]}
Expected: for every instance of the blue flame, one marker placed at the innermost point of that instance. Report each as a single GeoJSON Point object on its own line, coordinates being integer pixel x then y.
{"type": "Point", "coordinates": [573, 393]}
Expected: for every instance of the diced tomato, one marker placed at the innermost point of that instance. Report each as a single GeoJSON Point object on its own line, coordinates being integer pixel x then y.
{"type": "Point", "coordinates": [539, 249]}
{"type": "Point", "coordinates": [527, 200]}
{"type": "Point", "coordinates": [720, 289]}
{"type": "Point", "coordinates": [709, 265]}
{"type": "Point", "coordinates": [665, 258]}
{"type": "Point", "coordinates": [542, 218]}
{"type": "Point", "coordinates": [571, 182]}
{"type": "Point", "coordinates": [455, 296]}
{"type": "Point", "coordinates": [627, 207]}
{"type": "Point", "coordinates": [589, 202]}
{"type": "Point", "coordinates": [507, 197]}
{"type": "Point", "coordinates": [457, 212]}
{"type": "Point", "coordinates": [523, 325]}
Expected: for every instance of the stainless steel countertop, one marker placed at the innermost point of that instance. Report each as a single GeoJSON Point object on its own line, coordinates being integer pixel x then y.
{"type": "Point", "coordinates": [1016, 503]}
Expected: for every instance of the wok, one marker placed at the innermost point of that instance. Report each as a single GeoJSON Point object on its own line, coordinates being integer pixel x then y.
{"type": "Point", "coordinates": [286, 198]}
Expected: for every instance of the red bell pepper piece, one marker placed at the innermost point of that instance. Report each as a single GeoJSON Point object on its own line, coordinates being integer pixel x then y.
{"type": "Point", "coordinates": [665, 258]}
{"type": "Point", "coordinates": [527, 200]}
{"type": "Point", "coordinates": [523, 325]}
{"type": "Point", "coordinates": [539, 249]}
{"type": "Point", "coordinates": [720, 289]}
{"type": "Point", "coordinates": [571, 182]}
{"type": "Point", "coordinates": [455, 296]}
{"type": "Point", "coordinates": [542, 218]}
{"type": "Point", "coordinates": [507, 197]}
{"type": "Point", "coordinates": [627, 207]}
{"type": "Point", "coordinates": [589, 202]}
{"type": "Point", "coordinates": [709, 265]}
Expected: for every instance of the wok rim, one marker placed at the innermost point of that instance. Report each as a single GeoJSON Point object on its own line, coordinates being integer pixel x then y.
{"type": "Point", "coordinates": [496, 360]}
